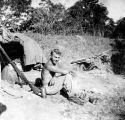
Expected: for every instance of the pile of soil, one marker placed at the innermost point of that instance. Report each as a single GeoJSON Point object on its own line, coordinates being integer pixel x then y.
{"type": "Point", "coordinates": [22, 104]}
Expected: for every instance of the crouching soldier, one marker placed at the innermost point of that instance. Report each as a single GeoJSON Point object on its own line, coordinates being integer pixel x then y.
{"type": "Point", "coordinates": [54, 77]}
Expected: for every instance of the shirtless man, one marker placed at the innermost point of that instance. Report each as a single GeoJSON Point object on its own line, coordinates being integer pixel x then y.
{"type": "Point", "coordinates": [53, 74]}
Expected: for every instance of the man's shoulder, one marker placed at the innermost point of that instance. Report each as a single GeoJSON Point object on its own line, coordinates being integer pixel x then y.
{"type": "Point", "coordinates": [48, 63]}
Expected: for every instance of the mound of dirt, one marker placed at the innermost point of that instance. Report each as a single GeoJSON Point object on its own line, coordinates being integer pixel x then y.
{"type": "Point", "coordinates": [24, 105]}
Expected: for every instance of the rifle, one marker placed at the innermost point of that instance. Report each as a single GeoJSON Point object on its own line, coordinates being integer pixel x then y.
{"type": "Point", "coordinates": [94, 57]}
{"type": "Point", "coordinates": [21, 75]}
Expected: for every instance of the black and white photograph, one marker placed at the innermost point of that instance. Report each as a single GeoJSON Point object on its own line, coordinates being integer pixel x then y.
{"type": "Point", "coordinates": [62, 59]}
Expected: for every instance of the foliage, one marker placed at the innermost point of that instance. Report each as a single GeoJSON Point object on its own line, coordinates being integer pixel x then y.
{"type": "Point", "coordinates": [45, 18]}
{"type": "Point", "coordinates": [118, 58]}
{"type": "Point", "coordinates": [109, 28]}
{"type": "Point", "coordinates": [85, 17]}
{"type": "Point", "coordinates": [119, 31]}
{"type": "Point", "coordinates": [12, 12]}
{"type": "Point", "coordinates": [89, 16]}
{"type": "Point", "coordinates": [18, 6]}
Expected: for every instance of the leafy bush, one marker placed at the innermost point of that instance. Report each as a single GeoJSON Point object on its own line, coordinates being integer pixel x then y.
{"type": "Point", "coordinates": [118, 58]}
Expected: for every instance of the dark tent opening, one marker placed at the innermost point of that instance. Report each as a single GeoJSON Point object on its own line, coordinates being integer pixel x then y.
{"type": "Point", "coordinates": [14, 50]}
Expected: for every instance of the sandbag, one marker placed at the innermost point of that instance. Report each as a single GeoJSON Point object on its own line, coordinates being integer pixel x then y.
{"type": "Point", "coordinates": [9, 74]}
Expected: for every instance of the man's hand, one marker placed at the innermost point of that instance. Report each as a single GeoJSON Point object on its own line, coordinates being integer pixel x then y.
{"type": "Point", "coordinates": [38, 66]}
{"type": "Point", "coordinates": [52, 82]}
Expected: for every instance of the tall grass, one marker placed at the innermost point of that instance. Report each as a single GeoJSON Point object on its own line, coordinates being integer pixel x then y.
{"type": "Point", "coordinates": [72, 46]}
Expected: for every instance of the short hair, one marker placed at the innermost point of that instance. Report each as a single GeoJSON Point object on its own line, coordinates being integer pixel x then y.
{"type": "Point", "coordinates": [57, 51]}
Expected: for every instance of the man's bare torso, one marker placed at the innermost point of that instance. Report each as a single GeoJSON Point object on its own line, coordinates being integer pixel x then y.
{"type": "Point", "coordinates": [46, 74]}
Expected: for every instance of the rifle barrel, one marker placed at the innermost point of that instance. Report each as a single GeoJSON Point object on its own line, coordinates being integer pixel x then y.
{"type": "Point", "coordinates": [85, 59]}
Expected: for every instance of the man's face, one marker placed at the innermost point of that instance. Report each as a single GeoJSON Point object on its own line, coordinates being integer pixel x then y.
{"type": "Point", "coordinates": [55, 58]}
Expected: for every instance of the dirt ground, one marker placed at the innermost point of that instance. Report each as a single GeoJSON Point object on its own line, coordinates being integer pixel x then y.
{"type": "Point", "coordinates": [22, 104]}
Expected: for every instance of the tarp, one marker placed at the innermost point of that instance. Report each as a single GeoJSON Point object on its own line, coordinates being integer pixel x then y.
{"type": "Point", "coordinates": [32, 51]}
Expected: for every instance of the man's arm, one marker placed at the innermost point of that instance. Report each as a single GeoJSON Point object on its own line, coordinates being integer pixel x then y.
{"type": "Point", "coordinates": [56, 69]}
